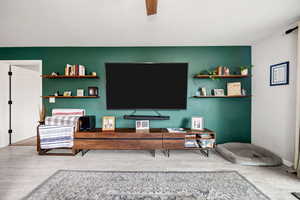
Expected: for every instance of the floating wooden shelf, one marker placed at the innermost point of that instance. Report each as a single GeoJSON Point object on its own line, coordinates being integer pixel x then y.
{"type": "Point", "coordinates": [220, 76]}
{"type": "Point", "coordinates": [66, 77]}
{"type": "Point", "coordinates": [70, 97]}
{"type": "Point", "coordinates": [237, 96]}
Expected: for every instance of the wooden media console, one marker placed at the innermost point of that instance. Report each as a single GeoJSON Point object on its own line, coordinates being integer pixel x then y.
{"type": "Point", "coordinates": [130, 139]}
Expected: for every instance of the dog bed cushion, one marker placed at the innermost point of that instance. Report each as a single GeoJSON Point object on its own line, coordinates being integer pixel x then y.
{"type": "Point", "coordinates": [248, 154]}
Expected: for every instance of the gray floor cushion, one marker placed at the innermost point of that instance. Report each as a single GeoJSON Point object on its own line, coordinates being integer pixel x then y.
{"type": "Point", "coordinates": [248, 154]}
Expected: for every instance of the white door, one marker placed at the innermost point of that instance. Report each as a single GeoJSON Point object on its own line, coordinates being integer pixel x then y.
{"type": "Point", "coordinates": [4, 68]}
{"type": "Point", "coordinates": [26, 92]}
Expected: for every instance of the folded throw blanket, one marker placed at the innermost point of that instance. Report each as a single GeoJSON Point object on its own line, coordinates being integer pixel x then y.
{"type": "Point", "coordinates": [56, 136]}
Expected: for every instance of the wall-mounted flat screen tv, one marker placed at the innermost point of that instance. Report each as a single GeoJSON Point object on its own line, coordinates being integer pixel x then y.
{"type": "Point", "coordinates": [146, 85]}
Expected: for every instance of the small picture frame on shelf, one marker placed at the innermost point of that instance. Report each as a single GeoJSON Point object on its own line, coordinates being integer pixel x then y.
{"type": "Point", "coordinates": [279, 74]}
{"type": "Point", "coordinates": [80, 92]}
{"type": "Point", "coordinates": [219, 92]}
{"type": "Point", "coordinates": [197, 123]}
{"type": "Point", "coordinates": [108, 123]}
{"type": "Point", "coordinates": [234, 89]}
{"type": "Point", "coordinates": [93, 91]}
{"type": "Point", "coordinates": [67, 93]}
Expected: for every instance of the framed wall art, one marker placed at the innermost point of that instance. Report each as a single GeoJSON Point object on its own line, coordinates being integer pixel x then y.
{"type": "Point", "coordinates": [279, 74]}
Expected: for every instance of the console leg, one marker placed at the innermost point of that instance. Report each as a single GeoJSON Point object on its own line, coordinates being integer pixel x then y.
{"type": "Point", "coordinates": [152, 153]}
{"type": "Point", "coordinates": [166, 152]}
{"type": "Point", "coordinates": [83, 152]}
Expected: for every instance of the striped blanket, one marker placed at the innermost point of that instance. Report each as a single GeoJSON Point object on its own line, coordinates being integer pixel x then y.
{"type": "Point", "coordinates": [58, 131]}
{"type": "Point", "coordinates": [61, 120]}
{"type": "Point", "coordinates": [56, 136]}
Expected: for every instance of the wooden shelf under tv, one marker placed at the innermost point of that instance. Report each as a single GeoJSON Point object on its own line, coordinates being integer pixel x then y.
{"type": "Point", "coordinates": [70, 97]}
{"type": "Point", "coordinates": [237, 96]}
{"type": "Point", "coordinates": [220, 76]}
{"type": "Point", "coordinates": [68, 77]}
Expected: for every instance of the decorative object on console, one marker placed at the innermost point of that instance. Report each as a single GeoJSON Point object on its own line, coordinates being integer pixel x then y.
{"type": "Point", "coordinates": [279, 74]}
{"type": "Point", "coordinates": [197, 123]}
{"type": "Point", "coordinates": [67, 93]}
{"type": "Point", "coordinates": [80, 92]}
{"type": "Point", "coordinates": [142, 125]}
{"type": "Point", "coordinates": [218, 92]}
{"type": "Point", "coordinates": [108, 123]}
{"type": "Point", "coordinates": [87, 123]}
{"type": "Point", "coordinates": [234, 89]}
{"type": "Point", "coordinates": [93, 91]}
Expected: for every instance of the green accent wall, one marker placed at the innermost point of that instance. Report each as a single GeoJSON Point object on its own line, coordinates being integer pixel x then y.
{"type": "Point", "coordinates": [230, 118]}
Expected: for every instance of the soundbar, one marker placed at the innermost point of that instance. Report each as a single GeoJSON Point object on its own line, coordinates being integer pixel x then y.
{"type": "Point", "coordinates": [146, 117]}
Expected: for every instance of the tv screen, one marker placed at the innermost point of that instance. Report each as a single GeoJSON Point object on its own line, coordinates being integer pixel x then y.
{"type": "Point", "coordinates": [146, 85]}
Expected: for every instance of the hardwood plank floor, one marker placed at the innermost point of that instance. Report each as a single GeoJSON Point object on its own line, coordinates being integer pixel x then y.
{"type": "Point", "coordinates": [21, 169]}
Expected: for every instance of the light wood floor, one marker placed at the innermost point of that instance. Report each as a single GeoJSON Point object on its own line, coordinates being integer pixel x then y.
{"type": "Point", "coordinates": [27, 142]}
{"type": "Point", "coordinates": [21, 169]}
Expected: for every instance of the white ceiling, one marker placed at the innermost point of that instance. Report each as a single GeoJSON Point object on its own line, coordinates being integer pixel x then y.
{"type": "Point", "coordinates": [125, 23]}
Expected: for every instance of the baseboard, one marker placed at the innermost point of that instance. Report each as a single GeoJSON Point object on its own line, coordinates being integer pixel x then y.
{"type": "Point", "coordinates": [287, 163]}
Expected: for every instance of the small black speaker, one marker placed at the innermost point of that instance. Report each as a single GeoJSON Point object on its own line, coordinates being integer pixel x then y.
{"type": "Point", "coordinates": [87, 123]}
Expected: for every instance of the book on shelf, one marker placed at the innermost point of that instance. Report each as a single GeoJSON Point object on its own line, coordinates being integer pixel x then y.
{"type": "Point", "coordinates": [75, 70]}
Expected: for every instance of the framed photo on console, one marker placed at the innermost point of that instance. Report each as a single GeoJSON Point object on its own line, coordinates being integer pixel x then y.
{"type": "Point", "coordinates": [279, 74]}
{"type": "Point", "coordinates": [142, 125]}
{"type": "Point", "coordinates": [197, 123]}
{"type": "Point", "coordinates": [108, 123]}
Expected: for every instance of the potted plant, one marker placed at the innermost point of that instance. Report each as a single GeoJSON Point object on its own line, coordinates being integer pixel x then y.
{"type": "Point", "coordinates": [244, 70]}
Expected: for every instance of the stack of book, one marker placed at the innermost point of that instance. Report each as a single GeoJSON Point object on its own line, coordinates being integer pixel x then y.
{"type": "Point", "coordinates": [74, 70]}
{"type": "Point", "coordinates": [207, 143]}
{"type": "Point", "coordinates": [206, 140]}
{"type": "Point", "coordinates": [191, 141]}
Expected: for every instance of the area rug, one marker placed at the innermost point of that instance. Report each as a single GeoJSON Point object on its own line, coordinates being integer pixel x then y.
{"type": "Point", "coordinates": [101, 185]}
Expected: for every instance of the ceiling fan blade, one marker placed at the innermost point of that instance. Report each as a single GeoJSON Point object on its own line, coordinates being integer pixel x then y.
{"type": "Point", "coordinates": [151, 6]}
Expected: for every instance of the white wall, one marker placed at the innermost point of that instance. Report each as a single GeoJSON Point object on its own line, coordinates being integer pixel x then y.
{"type": "Point", "coordinates": [26, 92]}
{"type": "Point", "coordinates": [274, 108]}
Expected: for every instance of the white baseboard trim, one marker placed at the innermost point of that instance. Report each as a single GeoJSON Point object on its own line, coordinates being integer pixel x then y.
{"type": "Point", "coordinates": [287, 163]}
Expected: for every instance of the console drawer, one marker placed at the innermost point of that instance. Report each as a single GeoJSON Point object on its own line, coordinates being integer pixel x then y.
{"type": "Point", "coordinates": [117, 144]}
{"type": "Point", "coordinates": [173, 144]}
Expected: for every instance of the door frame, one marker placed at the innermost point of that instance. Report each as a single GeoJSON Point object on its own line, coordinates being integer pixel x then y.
{"type": "Point", "coordinates": [27, 63]}
{"type": "Point", "coordinates": [297, 133]}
